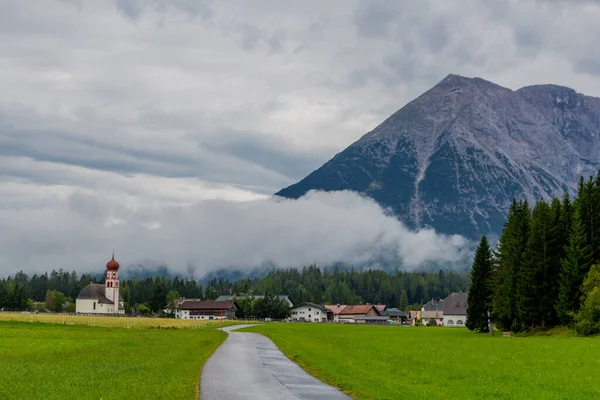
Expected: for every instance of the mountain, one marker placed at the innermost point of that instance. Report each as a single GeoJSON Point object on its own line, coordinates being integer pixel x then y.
{"type": "Point", "coordinates": [454, 158]}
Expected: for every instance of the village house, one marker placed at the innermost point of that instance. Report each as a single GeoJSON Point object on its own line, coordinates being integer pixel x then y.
{"type": "Point", "coordinates": [432, 312]}
{"type": "Point", "coordinates": [335, 310]}
{"type": "Point", "coordinates": [455, 310]}
{"type": "Point", "coordinates": [97, 298]}
{"type": "Point", "coordinates": [310, 312]}
{"type": "Point", "coordinates": [349, 313]}
{"type": "Point", "coordinates": [396, 315]}
{"type": "Point", "coordinates": [206, 309]}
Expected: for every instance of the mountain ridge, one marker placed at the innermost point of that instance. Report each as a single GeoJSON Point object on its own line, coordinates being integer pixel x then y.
{"type": "Point", "coordinates": [454, 157]}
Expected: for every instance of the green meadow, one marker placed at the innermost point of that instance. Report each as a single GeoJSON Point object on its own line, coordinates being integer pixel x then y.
{"type": "Point", "coordinates": [392, 362]}
{"type": "Point", "coordinates": [51, 361]}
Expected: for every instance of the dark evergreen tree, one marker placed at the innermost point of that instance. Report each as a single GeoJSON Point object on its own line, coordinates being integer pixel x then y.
{"type": "Point", "coordinates": [573, 266]}
{"type": "Point", "coordinates": [403, 303]}
{"type": "Point", "coordinates": [507, 267]}
{"type": "Point", "coordinates": [159, 297]}
{"type": "Point", "coordinates": [480, 291]}
{"type": "Point", "coordinates": [539, 276]}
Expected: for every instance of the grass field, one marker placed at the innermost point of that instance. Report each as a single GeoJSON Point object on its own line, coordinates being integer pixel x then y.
{"type": "Point", "coordinates": [52, 361]}
{"type": "Point", "coordinates": [371, 362]}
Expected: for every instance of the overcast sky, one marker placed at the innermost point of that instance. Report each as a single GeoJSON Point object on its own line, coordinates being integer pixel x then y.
{"type": "Point", "coordinates": [161, 127]}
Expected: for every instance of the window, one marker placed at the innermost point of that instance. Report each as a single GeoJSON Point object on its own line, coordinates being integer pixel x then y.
{"type": "Point", "coordinates": [459, 322]}
{"type": "Point", "coordinates": [450, 322]}
{"type": "Point", "coordinates": [94, 305]}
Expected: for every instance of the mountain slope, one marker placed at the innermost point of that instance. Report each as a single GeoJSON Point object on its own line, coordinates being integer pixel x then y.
{"type": "Point", "coordinates": [455, 157]}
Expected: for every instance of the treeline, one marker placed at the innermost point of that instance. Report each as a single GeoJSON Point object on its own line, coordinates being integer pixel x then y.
{"type": "Point", "coordinates": [311, 283]}
{"type": "Point", "coordinates": [541, 275]}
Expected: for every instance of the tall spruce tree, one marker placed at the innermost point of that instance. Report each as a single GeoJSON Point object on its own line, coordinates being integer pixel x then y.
{"type": "Point", "coordinates": [588, 198]}
{"type": "Point", "coordinates": [403, 303]}
{"type": "Point", "coordinates": [577, 260]}
{"type": "Point", "coordinates": [507, 265]}
{"type": "Point", "coordinates": [480, 290]}
{"type": "Point", "coordinates": [595, 242]}
{"type": "Point", "coordinates": [539, 276]}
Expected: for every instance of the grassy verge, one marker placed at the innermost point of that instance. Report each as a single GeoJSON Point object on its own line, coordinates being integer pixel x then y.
{"type": "Point", "coordinates": [50, 361]}
{"type": "Point", "coordinates": [371, 362]}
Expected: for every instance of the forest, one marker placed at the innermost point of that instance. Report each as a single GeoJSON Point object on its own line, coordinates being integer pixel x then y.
{"type": "Point", "coordinates": [320, 285]}
{"type": "Point", "coordinates": [542, 273]}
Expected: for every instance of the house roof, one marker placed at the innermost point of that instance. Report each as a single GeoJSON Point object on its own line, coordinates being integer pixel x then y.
{"type": "Point", "coordinates": [95, 291]}
{"type": "Point", "coordinates": [242, 295]}
{"type": "Point", "coordinates": [394, 312]}
{"type": "Point", "coordinates": [372, 318]}
{"type": "Point", "coordinates": [335, 308]}
{"type": "Point", "coordinates": [207, 305]}
{"type": "Point", "coordinates": [456, 304]}
{"type": "Point", "coordinates": [357, 309]}
{"type": "Point", "coordinates": [433, 305]}
{"type": "Point", "coordinates": [380, 307]}
{"type": "Point", "coordinates": [313, 305]}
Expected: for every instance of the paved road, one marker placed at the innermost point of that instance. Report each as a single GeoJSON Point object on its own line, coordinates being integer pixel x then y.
{"type": "Point", "coordinates": [249, 366]}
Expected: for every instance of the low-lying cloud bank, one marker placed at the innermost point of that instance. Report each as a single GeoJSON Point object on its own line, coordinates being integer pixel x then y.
{"type": "Point", "coordinates": [80, 230]}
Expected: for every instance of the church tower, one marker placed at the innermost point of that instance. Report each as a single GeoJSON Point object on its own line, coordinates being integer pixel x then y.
{"type": "Point", "coordinates": [111, 286]}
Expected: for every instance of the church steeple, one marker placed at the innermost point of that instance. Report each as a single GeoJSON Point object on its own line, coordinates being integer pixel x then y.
{"type": "Point", "coordinates": [111, 286]}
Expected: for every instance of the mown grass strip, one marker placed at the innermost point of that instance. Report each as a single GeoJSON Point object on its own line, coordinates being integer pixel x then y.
{"type": "Point", "coordinates": [52, 361]}
{"type": "Point", "coordinates": [371, 362]}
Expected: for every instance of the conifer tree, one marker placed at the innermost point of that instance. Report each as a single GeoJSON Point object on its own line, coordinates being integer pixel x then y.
{"type": "Point", "coordinates": [539, 277]}
{"type": "Point", "coordinates": [573, 265]}
{"type": "Point", "coordinates": [587, 201]}
{"type": "Point", "coordinates": [403, 303]}
{"type": "Point", "coordinates": [507, 266]}
{"type": "Point", "coordinates": [480, 290]}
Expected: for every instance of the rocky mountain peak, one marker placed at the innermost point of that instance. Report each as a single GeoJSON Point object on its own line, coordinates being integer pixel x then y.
{"type": "Point", "coordinates": [455, 157]}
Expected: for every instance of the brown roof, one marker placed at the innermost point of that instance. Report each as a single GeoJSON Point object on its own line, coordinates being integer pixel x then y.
{"type": "Point", "coordinates": [95, 291]}
{"type": "Point", "coordinates": [357, 310]}
{"type": "Point", "coordinates": [380, 307]}
{"type": "Point", "coordinates": [206, 305]}
{"type": "Point", "coordinates": [456, 304]}
{"type": "Point", "coordinates": [335, 309]}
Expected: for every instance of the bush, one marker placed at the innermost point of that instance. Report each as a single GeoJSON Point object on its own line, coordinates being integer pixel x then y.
{"type": "Point", "coordinates": [587, 320]}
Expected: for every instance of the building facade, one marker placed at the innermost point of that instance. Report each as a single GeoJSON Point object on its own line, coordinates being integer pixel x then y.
{"type": "Point", "coordinates": [105, 298]}
{"type": "Point", "coordinates": [455, 310]}
{"type": "Point", "coordinates": [432, 312]}
{"type": "Point", "coordinates": [309, 312]}
{"type": "Point", "coordinates": [206, 309]}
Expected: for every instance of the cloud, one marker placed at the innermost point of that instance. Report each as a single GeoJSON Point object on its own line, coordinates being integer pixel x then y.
{"type": "Point", "coordinates": [196, 104]}
{"type": "Point", "coordinates": [78, 231]}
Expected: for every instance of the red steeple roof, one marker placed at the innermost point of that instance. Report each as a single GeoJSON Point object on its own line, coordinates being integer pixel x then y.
{"type": "Point", "coordinates": [112, 265]}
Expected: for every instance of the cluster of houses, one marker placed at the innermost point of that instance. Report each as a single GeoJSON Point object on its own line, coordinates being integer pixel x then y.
{"type": "Point", "coordinates": [451, 311]}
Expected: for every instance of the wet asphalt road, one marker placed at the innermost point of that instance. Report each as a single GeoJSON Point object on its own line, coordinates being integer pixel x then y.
{"type": "Point", "coordinates": [249, 366]}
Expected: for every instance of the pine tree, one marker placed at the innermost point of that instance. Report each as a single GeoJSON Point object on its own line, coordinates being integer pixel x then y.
{"type": "Point", "coordinates": [480, 290]}
{"type": "Point", "coordinates": [507, 265]}
{"type": "Point", "coordinates": [403, 303]}
{"type": "Point", "coordinates": [576, 261]}
{"type": "Point", "coordinates": [588, 197]}
{"type": "Point", "coordinates": [539, 277]}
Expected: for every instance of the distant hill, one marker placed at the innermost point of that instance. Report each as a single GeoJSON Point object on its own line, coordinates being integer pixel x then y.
{"type": "Point", "coordinates": [455, 157]}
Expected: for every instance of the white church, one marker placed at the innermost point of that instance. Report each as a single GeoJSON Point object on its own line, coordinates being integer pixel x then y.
{"type": "Point", "coordinates": [97, 298]}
